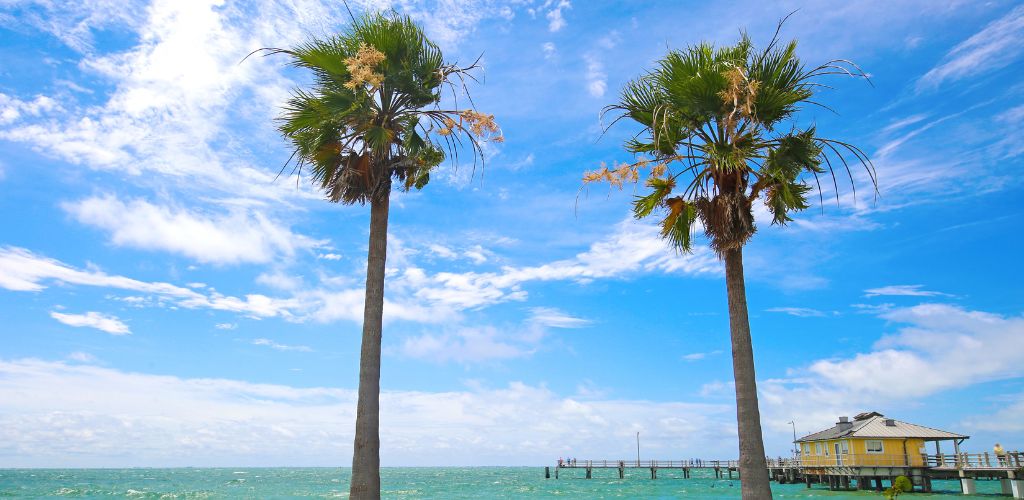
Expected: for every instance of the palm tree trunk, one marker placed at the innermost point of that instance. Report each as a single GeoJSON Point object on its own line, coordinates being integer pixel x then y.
{"type": "Point", "coordinates": [366, 451]}
{"type": "Point", "coordinates": [753, 468]}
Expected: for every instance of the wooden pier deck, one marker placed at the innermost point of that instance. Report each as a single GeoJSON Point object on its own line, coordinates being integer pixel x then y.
{"type": "Point", "coordinates": [721, 468]}
{"type": "Point", "coordinates": [846, 472]}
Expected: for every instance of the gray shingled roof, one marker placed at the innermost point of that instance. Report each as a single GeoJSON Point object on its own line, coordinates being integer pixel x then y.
{"type": "Point", "coordinates": [872, 425]}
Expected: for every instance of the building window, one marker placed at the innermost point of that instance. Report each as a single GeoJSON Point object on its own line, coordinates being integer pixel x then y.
{"type": "Point", "coordinates": [844, 447]}
{"type": "Point", "coordinates": [873, 445]}
{"type": "Point", "coordinates": [817, 448]}
{"type": "Point", "coordinates": [807, 449]}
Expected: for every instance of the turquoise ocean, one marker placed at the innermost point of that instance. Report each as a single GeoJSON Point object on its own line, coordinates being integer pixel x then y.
{"type": "Point", "coordinates": [405, 482]}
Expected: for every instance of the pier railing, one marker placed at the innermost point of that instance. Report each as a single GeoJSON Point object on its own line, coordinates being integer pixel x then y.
{"type": "Point", "coordinates": [664, 464]}
{"type": "Point", "coordinates": [1011, 460]}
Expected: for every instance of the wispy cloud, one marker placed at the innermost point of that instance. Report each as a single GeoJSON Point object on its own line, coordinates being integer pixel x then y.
{"type": "Point", "coordinates": [697, 356]}
{"type": "Point", "coordinates": [998, 45]}
{"type": "Point", "coordinates": [903, 290]}
{"type": "Point", "coordinates": [82, 357]}
{"type": "Point", "coordinates": [24, 271]}
{"type": "Point", "coordinates": [103, 322]}
{"type": "Point", "coordinates": [554, 318]}
{"type": "Point", "coordinates": [281, 347]}
{"type": "Point", "coordinates": [800, 312]}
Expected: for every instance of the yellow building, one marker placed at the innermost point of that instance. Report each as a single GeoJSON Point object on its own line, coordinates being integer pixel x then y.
{"type": "Point", "coordinates": [871, 439]}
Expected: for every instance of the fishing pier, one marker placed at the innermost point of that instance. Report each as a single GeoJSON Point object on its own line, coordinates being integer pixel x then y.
{"type": "Point", "coordinates": [851, 472]}
{"type": "Point", "coordinates": [855, 472]}
{"type": "Point", "coordinates": [721, 468]}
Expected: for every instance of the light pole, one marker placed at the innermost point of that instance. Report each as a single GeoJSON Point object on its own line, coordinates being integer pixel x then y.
{"type": "Point", "coordinates": [638, 448]}
{"type": "Point", "coordinates": [793, 423]}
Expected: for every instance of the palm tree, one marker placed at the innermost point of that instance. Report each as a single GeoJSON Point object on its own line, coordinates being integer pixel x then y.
{"type": "Point", "coordinates": [372, 116]}
{"type": "Point", "coordinates": [716, 136]}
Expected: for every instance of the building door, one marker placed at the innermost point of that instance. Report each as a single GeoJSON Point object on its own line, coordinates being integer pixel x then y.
{"type": "Point", "coordinates": [839, 455]}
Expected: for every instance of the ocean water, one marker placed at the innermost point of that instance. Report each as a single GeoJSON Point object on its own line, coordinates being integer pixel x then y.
{"type": "Point", "coordinates": [402, 483]}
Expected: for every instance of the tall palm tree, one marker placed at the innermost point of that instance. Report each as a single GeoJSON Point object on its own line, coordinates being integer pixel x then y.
{"type": "Point", "coordinates": [716, 136]}
{"type": "Point", "coordinates": [371, 116]}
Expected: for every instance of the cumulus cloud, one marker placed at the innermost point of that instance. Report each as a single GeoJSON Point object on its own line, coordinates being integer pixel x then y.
{"type": "Point", "coordinates": [235, 237]}
{"type": "Point", "coordinates": [971, 347]}
{"type": "Point", "coordinates": [89, 416]}
{"type": "Point", "coordinates": [99, 321]}
{"type": "Point", "coordinates": [556, 21]}
{"type": "Point", "coordinates": [11, 108]}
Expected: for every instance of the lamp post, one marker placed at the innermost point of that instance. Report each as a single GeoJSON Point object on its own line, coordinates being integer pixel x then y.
{"type": "Point", "coordinates": [793, 423]}
{"type": "Point", "coordinates": [638, 448]}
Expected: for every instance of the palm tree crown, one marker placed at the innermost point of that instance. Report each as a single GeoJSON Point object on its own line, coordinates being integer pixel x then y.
{"type": "Point", "coordinates": [713, 141]}
{"type": "Point", "coordinates": [372, 113]}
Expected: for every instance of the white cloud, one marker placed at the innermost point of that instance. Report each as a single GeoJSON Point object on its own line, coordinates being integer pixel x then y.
{"type": "Point", "coordinates": [971, 347]}
{"type": "Point", "coordinates": [88, 416]}
{"type": "Point", "coordinates": [329, 256]}
{"type": "Point", "coordinates": [11, 108]}
{"type": "Point", "coordinates": [956, 339]}
{"type": "Point", "coordinates": [281, 347]}
{"type": "Point", "coordinates": [477, 254]}
{"type": "Point", "coordinates": [231, 238]}
{"type": "Point", "coordinates": [280, 280]}
{"type": "Point", "coordinates": [697, 356]}
{"type": "Point", "coordinates": [477, 344]}
{"type": "Point", "coordinates": [633, 248]}
{"type": "Point", "coordinates": [82, 357]}
{"type": "Point", "coordinates": [99, 321]}
{"type": "Point", "coordinates": [442, 251]}
{"type": "Point", "coordinates": [800, 312]}
{"type": "Point", "coordinates": [483, 344]}
{"type": "Point", "coordinates": [597, 79]}
{"type": "Point", "coordinates": [226, 326]}
{"type": "Point", "coordinates": [414, 295]}
{"type": "Point", "coordinates": [998, 45]}
{"type": "Point", "coordinates": [174, 94]}
{"type": "Point", "coordinates": [549, 50]}
{"type": "Point", "coordinates": [554, 318]}
{"type": "Point", "coordinates": [24, 271]}
{"type": "Point", "coordinates": [555, 19]}
{"type": "Point", "coordinates": [903, 290]}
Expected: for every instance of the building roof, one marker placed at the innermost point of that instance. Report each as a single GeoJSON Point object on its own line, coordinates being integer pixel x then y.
{"type": "Point", "coordinates": [873, 425]}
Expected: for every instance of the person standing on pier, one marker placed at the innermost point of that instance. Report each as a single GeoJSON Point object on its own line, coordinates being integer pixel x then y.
{"type": "Point", "coordinates": [1000, 454]}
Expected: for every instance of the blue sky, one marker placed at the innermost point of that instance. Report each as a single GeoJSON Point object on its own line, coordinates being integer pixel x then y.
{"type": "Point", "coordinates": [166, 302]}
